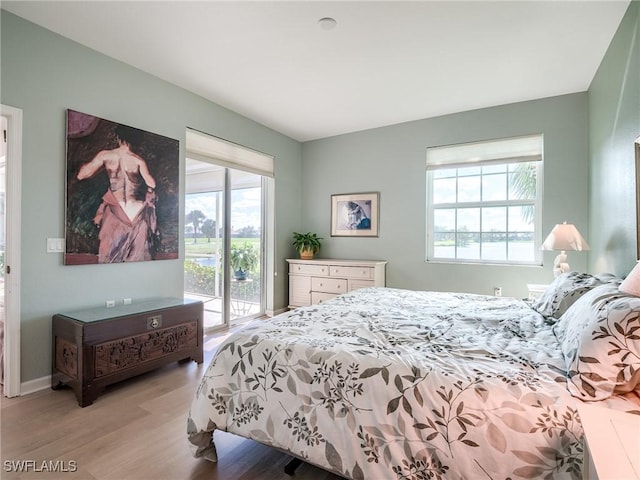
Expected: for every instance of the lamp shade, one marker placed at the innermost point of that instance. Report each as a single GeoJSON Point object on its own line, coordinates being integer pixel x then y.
{"type": "Point", "coordinates": [631, 284]}
{"type": "Point", "coordinates": [565, 236]}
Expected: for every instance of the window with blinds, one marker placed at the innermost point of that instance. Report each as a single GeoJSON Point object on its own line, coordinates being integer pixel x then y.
{"type": "Point", "coordinates": [484, 201]}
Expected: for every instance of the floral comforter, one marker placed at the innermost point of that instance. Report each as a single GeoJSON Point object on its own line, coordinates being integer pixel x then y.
{"type": "Point", "coordinates": [383, 384]}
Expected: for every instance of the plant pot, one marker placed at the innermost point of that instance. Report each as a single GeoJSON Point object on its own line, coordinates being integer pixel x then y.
{"type": "Point", "coordinates": [240, 274]}
{"type": "Point", "coordinates": [306, 254]}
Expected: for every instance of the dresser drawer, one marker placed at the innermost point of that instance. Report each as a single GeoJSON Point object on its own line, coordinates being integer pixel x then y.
{"type": "Point", "coordinates": [328, 284]}
{"type": "Point", "coordinates": [319, 297]}
{"type": "Point", "coordinates": [365, 273]}
{"type": "Point", "coordinates": [300, 290]}
{"type": "Point", "coordinates": [356, 284]}
{"type": "Point", "coordinates": [308, 269]}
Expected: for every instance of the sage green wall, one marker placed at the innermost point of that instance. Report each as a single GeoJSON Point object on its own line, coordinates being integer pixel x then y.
{"type": "Point", "coordinates": [44, 74]}
{"type": "Point", "coordinates": [391, 160]}
{"type": "Point", "coordinates": [614, 124]}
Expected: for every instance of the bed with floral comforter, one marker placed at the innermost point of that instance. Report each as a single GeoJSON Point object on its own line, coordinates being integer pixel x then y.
{"type": "Point", "coordinates": [385, 383]}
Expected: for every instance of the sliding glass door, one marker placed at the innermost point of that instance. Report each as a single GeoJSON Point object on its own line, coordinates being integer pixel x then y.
{"type": "Point", "coordinates": [224, 218]}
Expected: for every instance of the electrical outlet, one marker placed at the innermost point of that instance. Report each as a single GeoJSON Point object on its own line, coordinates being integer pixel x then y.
{"type": "Point", "coordinates": [110, 303]}
{"type": "Point", "coordinates": [497, 291]}
{"type": "Point", "coordinates": [126, 301]}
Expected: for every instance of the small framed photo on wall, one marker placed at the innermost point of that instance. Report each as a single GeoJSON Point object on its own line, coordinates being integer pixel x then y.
{"type": "Point", "coordinates": [355, 214]}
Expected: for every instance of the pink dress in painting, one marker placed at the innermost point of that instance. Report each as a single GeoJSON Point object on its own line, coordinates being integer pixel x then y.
{"type": "Point", "coordinates": [123, 239]}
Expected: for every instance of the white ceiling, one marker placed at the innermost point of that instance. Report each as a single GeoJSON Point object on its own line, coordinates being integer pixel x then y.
{"type": "Point", "coordinates": [385, 62]}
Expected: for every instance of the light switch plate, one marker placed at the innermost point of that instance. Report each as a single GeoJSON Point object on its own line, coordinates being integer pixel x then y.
{"type": "Point", "coordinates": [55, 245]}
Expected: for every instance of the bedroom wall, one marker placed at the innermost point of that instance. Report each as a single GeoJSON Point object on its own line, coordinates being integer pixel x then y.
{"type": "Point", "coordinates": [44, 74]}
{"type": "Point", "coordinates": [614, 124]}
{"type": "Point", "coordinates": [391, 160]}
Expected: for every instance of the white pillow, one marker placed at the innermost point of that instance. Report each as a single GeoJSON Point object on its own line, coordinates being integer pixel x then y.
{"type": "Point", "coordinates": [600, 340]}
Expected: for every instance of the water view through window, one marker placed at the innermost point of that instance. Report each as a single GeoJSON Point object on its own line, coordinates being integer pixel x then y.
{"type": "Point", "coordinates": [485, 213]}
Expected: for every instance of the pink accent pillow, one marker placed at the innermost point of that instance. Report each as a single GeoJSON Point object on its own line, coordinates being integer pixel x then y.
{"type": "Point", "coordinates": [631, 284]}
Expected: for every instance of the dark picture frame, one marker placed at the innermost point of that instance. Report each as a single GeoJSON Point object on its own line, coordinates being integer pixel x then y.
{"type": "Point", "coordinates": [355, 214]}
{"type": "Point", "coordinates": [122, 193]}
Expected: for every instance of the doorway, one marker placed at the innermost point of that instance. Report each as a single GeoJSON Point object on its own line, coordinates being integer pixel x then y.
{"type": "Point", "coordinates": [224, 246]}
{"type": "Point", "coordinates": [3, 191]}
{"type": "Point", "coordinates": [10, 185]}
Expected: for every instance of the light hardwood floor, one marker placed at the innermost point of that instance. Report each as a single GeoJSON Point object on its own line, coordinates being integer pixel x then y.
{"type": "Point", "coordinates": [135, 430]}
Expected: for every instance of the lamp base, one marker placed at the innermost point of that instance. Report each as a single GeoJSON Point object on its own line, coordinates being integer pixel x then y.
{"type": "Point", "coordinates": [560, 264]}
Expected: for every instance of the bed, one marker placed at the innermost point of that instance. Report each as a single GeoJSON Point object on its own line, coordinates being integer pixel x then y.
{"type": "Point", "coordinates": [384, 383]}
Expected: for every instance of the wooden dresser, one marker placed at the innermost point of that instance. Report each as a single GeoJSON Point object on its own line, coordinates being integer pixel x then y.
{"type": "Point", "coordinates": [313, 281]}
{"type": "Point", "coordinates": [96, 347]}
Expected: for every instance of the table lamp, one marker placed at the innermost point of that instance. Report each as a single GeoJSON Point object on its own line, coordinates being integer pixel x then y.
{"type": "Point", "coordinates": [563, 237]}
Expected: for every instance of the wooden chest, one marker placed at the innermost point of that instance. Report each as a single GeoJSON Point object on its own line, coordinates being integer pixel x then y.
{"type": "Point", "coordinates": [97, 347]}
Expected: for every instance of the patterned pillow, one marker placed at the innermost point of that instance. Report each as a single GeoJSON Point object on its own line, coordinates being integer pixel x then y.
{"type": "Point", "coordinates": [565, 290]}
{"type": "Point", "coordinates": [600, 339]}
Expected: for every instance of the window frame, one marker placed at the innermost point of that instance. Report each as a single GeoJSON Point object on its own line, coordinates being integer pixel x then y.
{"type": "Point", "coordinates": [474, 162]}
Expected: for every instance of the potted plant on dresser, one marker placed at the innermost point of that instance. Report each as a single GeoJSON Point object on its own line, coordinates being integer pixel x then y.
{"type": "Point", "coordinates": [307, 244]}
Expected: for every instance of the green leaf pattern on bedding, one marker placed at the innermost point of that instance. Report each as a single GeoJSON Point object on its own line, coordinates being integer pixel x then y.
{"type": "Point", "coordinates": [394, 384]}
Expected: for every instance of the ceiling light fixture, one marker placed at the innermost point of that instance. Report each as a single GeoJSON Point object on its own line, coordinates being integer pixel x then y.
{"type": "Point", "coordinates": [327, 23]}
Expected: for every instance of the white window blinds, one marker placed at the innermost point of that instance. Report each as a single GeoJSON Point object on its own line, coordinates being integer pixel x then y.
{"type": "Point", "coordinates": [510, 150]}
{"type": "Point", "coordinates": [201, 146]}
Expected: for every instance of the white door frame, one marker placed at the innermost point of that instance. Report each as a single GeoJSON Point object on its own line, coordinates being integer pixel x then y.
{"type": "Point", "coordinates": [11, 350]}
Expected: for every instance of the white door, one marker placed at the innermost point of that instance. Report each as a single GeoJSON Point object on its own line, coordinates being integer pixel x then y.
{"type": "Point", "coordinates": [11, 167]}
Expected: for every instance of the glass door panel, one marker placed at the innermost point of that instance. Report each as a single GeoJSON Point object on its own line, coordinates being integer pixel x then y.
{"type": "Point", "coordinates": [221, 237]}
{"type": "Point", "coordinates": [245, 254]}
{"type": "Point", "coordinates": [204, 240]}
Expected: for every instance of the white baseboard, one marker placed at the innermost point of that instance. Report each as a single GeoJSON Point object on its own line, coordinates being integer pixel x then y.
{"type": "Point", "coordinates": [32, 386]}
